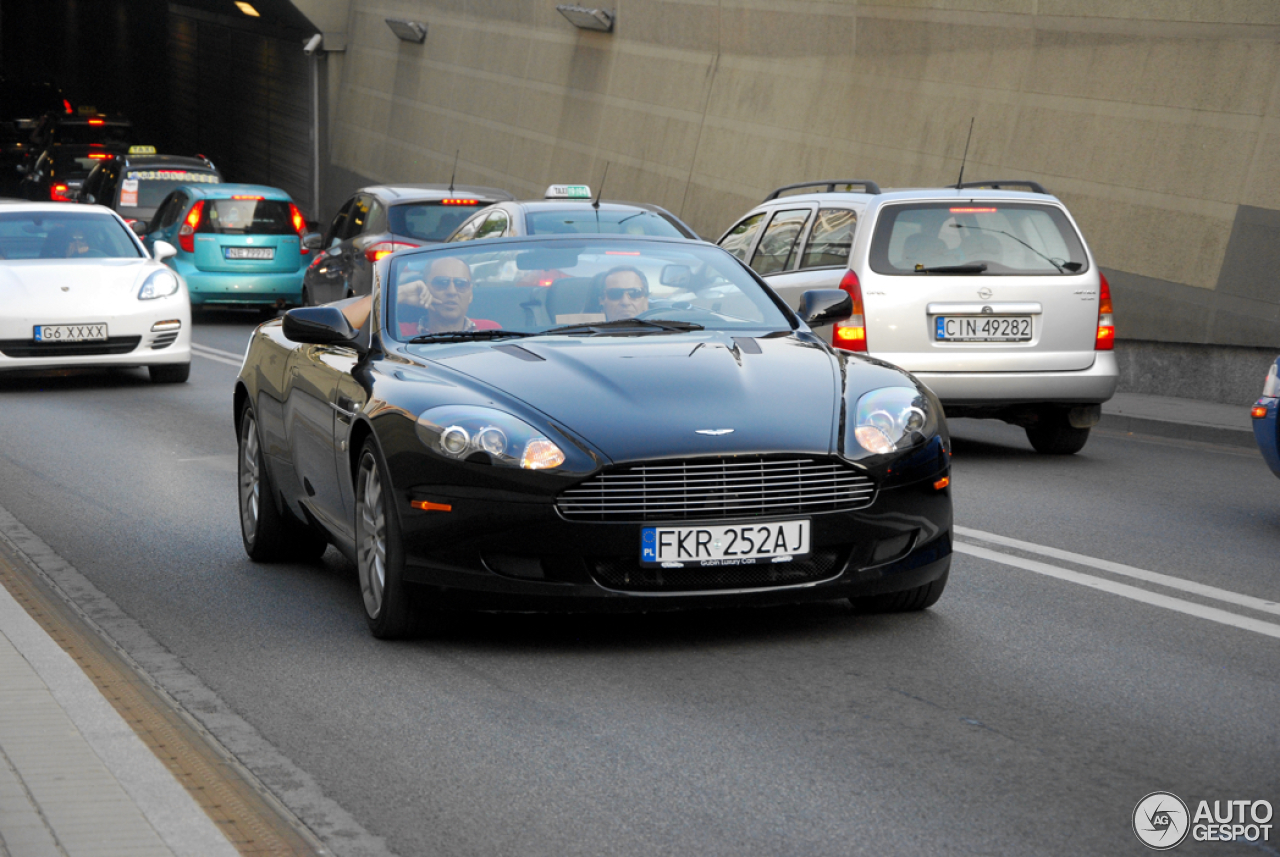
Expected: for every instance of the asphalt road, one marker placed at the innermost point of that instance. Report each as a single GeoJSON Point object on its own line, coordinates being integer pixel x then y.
{"type": "Point", "coordinates": [1055, 684]}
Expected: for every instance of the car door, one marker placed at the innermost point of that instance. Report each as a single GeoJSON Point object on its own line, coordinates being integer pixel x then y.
{"type": "Point", "coordinates": [325, 280]}
{"type": "Point", "coordinates": [822, 260]}
{"type": "Point", "coordinates": [369, 216]}
{"type": "Point", "coordinates": [310, 418]}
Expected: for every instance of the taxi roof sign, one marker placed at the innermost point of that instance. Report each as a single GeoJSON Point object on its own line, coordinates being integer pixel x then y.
{"type": "Point", "coordinates": [142, 150]}
{"type": "Point", "coordinates": [568, 191]}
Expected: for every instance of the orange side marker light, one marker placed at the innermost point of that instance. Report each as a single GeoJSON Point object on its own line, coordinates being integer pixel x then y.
{"type": "Point", "coordinates": [1259, 412]}
{"type": "Point", "coordinates": [942, 483]}
{"type": "Point", "coordinates": [428, 506]}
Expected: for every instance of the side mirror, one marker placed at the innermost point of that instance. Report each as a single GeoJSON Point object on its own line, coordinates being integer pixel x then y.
{"type": "Point", "coordinates": [139, 228]}
{"type": "Point", "coordinates": [86, 198]}
{"type": "Point", "coordinates": [312, 241]}
{"type": "Point", "coordinates": [23, 169]}
{"type": "Point", "coordinates": [319, 325]}
{"type": "Point", "coordinates": [676, 275]}
{"type": "Point", "coordinates": [821, 307]}
{"type": "Point", "coordinates": [162, 250]}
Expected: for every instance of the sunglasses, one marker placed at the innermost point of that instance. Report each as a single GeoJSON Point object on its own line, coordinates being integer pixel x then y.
{"type": "Point", "coordinates": [619, 294]}
{"type": "Point", "coordinates": [462, 284]}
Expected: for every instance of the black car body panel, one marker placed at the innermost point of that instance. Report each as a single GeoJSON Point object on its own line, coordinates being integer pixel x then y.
{"type": "Point", "coordinates": [620, 404]}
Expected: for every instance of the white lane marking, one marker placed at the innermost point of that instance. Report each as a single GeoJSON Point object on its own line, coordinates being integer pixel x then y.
{"type": "Point", "coordinates": [1213, 614]}
{"type": "Point", "coordinates": [216, 355]}
{"type": "Point", "coordinates": [1129, 571]}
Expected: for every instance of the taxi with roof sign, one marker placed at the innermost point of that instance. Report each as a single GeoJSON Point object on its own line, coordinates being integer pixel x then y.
{"type": "Point", "coordinates": [136, 182]}
{"type": "Point", "coordinates": [986, 291]}
{"type": "Point", "coordinates": [239, 245]}
{"type": "Point", "coordinates": [1266, 419]}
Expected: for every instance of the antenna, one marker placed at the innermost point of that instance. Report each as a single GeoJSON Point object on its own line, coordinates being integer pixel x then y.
{"type": "Point", "coordinates": [459, 151]}
{"type": "Point", "coordinates": [600, 192]}
{"type": "Point", "coordinates": [960, 180]}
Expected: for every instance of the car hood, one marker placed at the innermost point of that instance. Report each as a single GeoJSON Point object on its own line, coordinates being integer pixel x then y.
{"type": "Point", "coordinates": [47, 291]}
{"type": "Point", "coordinates": [637, 398]}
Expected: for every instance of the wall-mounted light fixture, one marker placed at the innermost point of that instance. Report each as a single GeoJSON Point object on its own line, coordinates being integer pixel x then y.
{"type": "Point", "coordinates": [587, 19]}
{"type": "Point", "coordinates": [408, 31]}
{"type": "Point", "coordinates": [247, 9]}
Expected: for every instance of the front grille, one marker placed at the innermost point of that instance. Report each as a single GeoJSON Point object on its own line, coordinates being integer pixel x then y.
{"type": "Point", "coordinates": [164, 340]}
{"type": "Point", "coordinates": [27, 348]}
{"type": "Point", "coordinates": [626, 573]}
{"type": "Point", "coordinates": [717, 489]}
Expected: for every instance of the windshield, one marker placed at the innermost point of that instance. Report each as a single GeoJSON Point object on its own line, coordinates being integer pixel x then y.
{"type": "Point", "coordinates": [148, 188]}
{"type": "Point", "coordinates": [431, 221]}
{"type": "Point", "coordinates": [979, 237]}
{"type": "Point", "coordinates": [586, 287]}
{"type": "Point", "coordinates": [563, 220]}
{"type": "Point", "coordinates": [64, 235]}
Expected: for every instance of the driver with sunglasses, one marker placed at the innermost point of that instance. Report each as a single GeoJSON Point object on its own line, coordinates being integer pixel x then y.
{"type": "Point", "coordinates": [444, 293]}
{"type": "Point", "coordinates": [624, 293]}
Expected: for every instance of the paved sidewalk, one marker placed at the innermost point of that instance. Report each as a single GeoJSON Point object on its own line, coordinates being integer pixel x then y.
{"type": "Point", "coordinates": [75, 780]}
{"type": "Point", "coordinates": [1182, 419]}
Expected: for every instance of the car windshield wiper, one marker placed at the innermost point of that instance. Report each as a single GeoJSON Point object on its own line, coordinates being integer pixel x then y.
{"type": "Point", "coordinates": [466, 335]}
{"type": "Point", "coordinates": [966, 268]}
{"type": "Point", "coordinates": [638, 325]}
{"type": "Point", "coordinates": [1062, 267]}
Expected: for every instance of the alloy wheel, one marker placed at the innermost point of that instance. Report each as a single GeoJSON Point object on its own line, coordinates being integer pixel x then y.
{"type": "Point", "coordinates": [372, 549]}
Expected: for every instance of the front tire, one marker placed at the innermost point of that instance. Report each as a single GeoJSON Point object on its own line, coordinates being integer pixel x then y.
{"type": "Point", "coordinates": [379, 552]}
{"type": "Point", "coordinates": [267, 535]}
{"type": "Point", "coordinates": [907, 601]}
{"type": "Point", "coordinates": [170, 373]}
{"type": "Point", "coordinates": [1053, 434]}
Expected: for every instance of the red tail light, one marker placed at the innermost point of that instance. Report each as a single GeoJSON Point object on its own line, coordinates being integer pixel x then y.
{"type": "Point", "coordinates": [1106, 339]}
{"type": "Point", "coordinates": [58, 193]}
{"type": "Point", "coordinates": [98, 156]}
{"type": "Point", "coordinates": [299, 224]}
{"type": "Point", "coordinates": [66, 107]}
{"type": "Point", "coordinates": [97, 122]}
{"type": "Point", "coordinates": [851, 334]}
{"type": "Point", "coordinates": [187, 232]}
{"type": "Point", "coordinates": [459, 202]}
{"type": "Point", "coordinates": [374, 252]}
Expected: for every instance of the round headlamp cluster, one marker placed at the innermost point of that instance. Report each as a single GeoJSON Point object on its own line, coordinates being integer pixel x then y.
{"type": "Point", "coordinates": [461, 432]}
{"type": "Point", "coordinates": [892, 418]}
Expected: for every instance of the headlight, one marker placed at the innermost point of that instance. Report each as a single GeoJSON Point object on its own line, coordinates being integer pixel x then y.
{"type": "Point", "coordinates": [160, 284]}
{"type": "Point", "coordinates": [893, 418]}
{"type": "Point", "coordinates": [461, 431]}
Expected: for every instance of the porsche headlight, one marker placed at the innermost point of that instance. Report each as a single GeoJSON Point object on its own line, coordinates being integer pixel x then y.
{"type": "Point", "coordinates": [893, 418]}
{"type": "Point", "coordinates": [160, 284]}
{"type": "Point", "coordinates": [460, 431]}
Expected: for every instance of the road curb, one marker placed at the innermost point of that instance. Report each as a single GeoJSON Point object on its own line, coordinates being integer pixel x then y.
{"type": "Point", "coordinates": [1223, 435]}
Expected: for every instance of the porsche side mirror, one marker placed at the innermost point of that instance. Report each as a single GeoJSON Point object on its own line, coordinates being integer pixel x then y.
{"type": "Point", "coordinates": [162, 250]}
{"type": "Point", "coordinates": [319, 325]}
{"type": "Point", "coordinates": [312, 241]}
{"type": "Point", "coordinates": [820, 307]}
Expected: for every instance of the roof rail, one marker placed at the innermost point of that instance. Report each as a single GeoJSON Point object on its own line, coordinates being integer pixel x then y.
{"type": "Point", "coordinates": [1002, 184]}
{"type": "Point", "coordinates": [867, 186]}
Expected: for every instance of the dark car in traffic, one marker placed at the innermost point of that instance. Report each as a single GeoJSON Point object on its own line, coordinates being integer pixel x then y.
{"type": "Point", "coordinates": [59, 171]}
{"type": "Point", "coordinates": [22, 104]}
{"type": "Point", "coordinates": [705, 448]}
{"type": "Point", "coordinates": [380, 220]}
{"type": "Point", "coordinates": [135, 183]}
{"type": "Point", "coordinates": [1266, 418]}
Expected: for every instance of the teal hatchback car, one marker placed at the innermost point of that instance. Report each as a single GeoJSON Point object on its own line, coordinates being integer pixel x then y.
{"type": "Point", "coordinates": [238, 244]}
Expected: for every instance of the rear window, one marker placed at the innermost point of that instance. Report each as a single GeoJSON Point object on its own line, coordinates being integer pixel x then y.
{"type": "Point", "coordinates": [1006, 238]}
{"type": "Point", "coordinates": [72, 165]}
{"type": "Point", "coordinates": [64, 235]}
{"type": "Point", "coordinates": [247, 217]}
{"type": "Point", "coordinates": [118, 135]}
{"type": "Point", "coordinates": [430, 221]}
{"type": "Point", "coordinates": [148, 188]}
{"type": "Point", "coordinates": [589, 220]}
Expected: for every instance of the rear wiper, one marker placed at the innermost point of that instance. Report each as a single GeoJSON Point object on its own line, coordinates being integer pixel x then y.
{"type": "Point", "coordinates": [466, 335]}
{"type": "Point", "coordinates": [642, 325]}
{"type": "Point", "coordinates": [1062, 267]}
{"type": "Point", "coordinates": [966, 268]}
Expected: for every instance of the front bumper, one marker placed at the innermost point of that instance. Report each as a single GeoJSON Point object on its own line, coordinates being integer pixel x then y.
{"type": "Point", "coordinates": [523, 555]}
{"type": "Point", "coordinates": [1266, 431]}
{"type": "Point", "coordinates": [1094, 385]}
{"type": "Point", "coordinates": [133, 341]}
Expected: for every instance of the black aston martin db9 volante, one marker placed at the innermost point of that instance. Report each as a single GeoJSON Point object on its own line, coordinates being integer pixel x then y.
{"type": "Point", "coordinates": [589, 422]}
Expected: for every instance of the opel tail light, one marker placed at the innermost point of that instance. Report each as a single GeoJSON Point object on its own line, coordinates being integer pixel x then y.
{"type": "Point", "coordinates": [851, 334]}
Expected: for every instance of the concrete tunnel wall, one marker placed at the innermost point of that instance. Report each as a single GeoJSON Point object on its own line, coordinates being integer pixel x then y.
{"type": "Point", "coordinates": [1156, 122]}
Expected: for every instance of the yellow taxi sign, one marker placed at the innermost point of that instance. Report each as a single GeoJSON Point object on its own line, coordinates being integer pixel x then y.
{"type": "Point", "coordinates": [142, 150]}
{"type": "Point", "coordinates": [568, 191]}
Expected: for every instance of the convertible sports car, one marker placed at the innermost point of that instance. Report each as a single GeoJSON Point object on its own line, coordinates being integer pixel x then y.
{"type": "Point", "coordinates": [79, 289]}
{"type": "Point", "coordinates": [477, 439]}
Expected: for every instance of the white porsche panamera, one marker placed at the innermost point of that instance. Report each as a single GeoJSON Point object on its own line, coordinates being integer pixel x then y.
{"type": "Point", "coordinates": [77, 288]}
